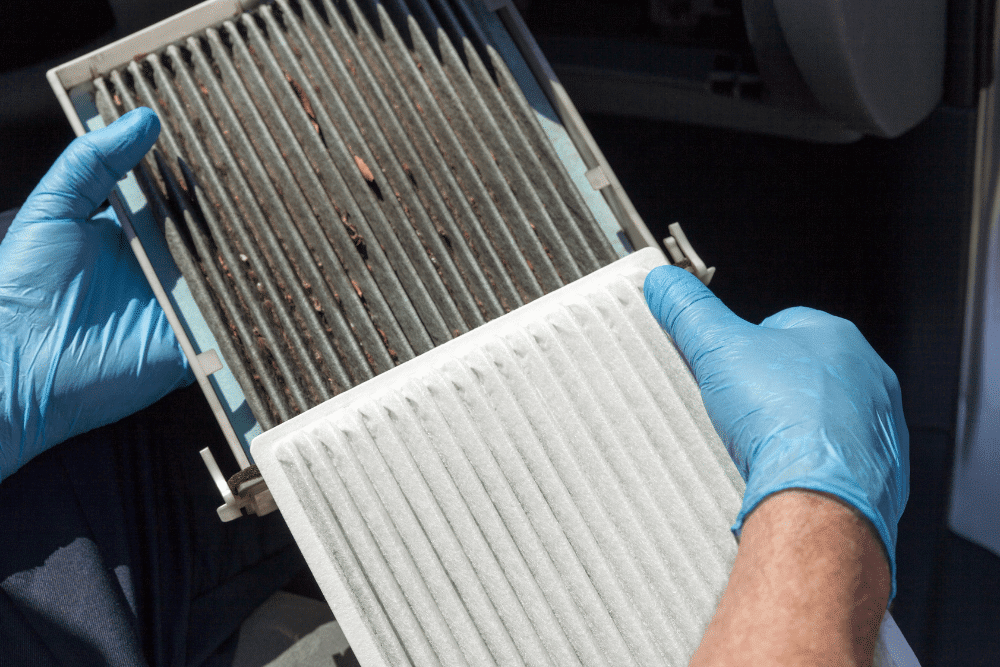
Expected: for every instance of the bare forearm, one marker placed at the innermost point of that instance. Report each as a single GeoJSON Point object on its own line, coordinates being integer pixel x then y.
{"type": "Point", "coordinates": [809, 587]}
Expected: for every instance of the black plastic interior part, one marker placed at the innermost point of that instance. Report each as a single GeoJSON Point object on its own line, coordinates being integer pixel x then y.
{"type": "Point", "coordinates": [29, 35]}
{"type": "Point", "coordinates": [679, 22]}
{"type": "Point", "coordinates": [969, 51]}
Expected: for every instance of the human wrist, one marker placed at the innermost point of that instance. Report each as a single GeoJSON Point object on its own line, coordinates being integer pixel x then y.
{"type": "Point", "coordinates": [809, 587]}
{"type": "Point", "coordinates": [814, 470]}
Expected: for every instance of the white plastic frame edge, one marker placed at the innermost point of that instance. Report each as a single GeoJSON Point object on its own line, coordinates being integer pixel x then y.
{"type": "Point", "coordinates": [67, 76]}
{"type": "Point", "coordinates": [231, 508]}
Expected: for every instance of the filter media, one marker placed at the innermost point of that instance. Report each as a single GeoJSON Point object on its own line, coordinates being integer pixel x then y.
{"type": "Point", "coordinates": [544, 490]}
{"type": "Point", "coordinates": [345, 185]}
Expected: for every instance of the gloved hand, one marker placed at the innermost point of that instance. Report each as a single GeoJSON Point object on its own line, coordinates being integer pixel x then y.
{"type": "Point", "coordinates": [83, 342]}
{"type": "Point", "coordinates": [801, 401]}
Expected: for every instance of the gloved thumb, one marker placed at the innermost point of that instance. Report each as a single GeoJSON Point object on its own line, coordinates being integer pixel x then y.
{"type": "Point", "coordinates": [694, 317]}
{"type": "Point", "coordinates": [83, 176]}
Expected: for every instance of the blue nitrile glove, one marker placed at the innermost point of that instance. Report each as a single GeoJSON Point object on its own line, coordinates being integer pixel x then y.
{"type": "Point", "coordinates": [801, 401]}
{"type": "Point", "coordinates": [83, 342]}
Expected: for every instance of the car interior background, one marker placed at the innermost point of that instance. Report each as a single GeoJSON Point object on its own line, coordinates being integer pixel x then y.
{"type": "Point", "coordinates": [856, 221]}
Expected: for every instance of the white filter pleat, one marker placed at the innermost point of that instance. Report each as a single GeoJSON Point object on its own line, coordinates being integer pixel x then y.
{"type": "Point", "coordinates": [595, 505]}
{"type": "Point", "coordinates": [438, 555]}
{"type": "Point", "coordinates": [501, 480]}
{"type": "Point", "coordinates": [354, 590]}
{"type": "Point", "coordinates": [544, 490]}
{"type": "Point", "coordinates": [556, 514]}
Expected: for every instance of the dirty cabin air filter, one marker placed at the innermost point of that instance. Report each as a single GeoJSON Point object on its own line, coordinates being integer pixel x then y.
{"type": "Point", "coordinates": [341, 187]}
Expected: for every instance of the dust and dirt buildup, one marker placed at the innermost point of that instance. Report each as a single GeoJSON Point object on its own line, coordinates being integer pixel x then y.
{"type": "Point", "coordinates": [304, 101]}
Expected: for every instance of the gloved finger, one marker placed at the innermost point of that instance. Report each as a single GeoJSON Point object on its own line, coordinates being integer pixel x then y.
{"type": "Point", "coordinates": [83, 176]}
{"type": "Point", "coordinates": [694, 317]}
{"type": "Point", "coordinates": [790, 318]}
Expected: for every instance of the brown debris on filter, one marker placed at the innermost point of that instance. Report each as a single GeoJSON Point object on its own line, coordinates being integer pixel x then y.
{"type": "Point", "coordinates": [385, 342]}
{"type": "Point", "coordinates": [363, 168]}
{"type": "Point", "coordinates": [409, 174]}
{"type": "Point", "coordinates": [423, 215]}
{"type": "Point", "coordinates": [356, 238]}
{"type": "Point", "coordinates": [225, 268]}
{"type": "Point", "coordinates": [444, 236]}
{"type": "Point", "coordinates": [304, 101]}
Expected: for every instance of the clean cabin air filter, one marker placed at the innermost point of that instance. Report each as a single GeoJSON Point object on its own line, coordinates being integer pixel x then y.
{"type": "Point", "coordinates": [544, 490]}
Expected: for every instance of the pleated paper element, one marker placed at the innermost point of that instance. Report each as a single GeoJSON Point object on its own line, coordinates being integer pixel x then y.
{"type": "Point", "coordinates": [544, 490]}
